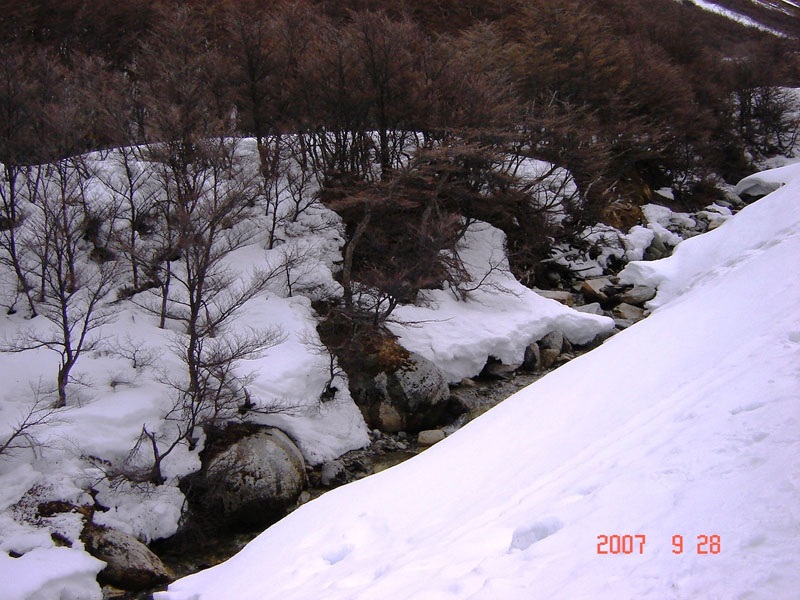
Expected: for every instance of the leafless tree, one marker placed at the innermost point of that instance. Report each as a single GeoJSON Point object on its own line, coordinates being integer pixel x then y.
{"type": "Point", "coordinates": [73, 289]}
{"type": "Point", "coordinates": [39, 414]}
{"type": "Point", "coordinates": [24, 103]}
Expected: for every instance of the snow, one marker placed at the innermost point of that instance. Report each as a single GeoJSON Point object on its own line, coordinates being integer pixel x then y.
{"type": "Point", "coordinates": [85, 444]}
{"type": "Point", "coordinates": [735, 16]}
{"type": "Point", "coordinates": [96, 433]}
{"type": "Point", "coordinates": [500, 318]}
{"type": "Point", "coordinates": [765, 182]}
{"type": "Point", "coordinates": [637, 241]}
{"type": "Point", "coordinates": [49, 574]}
{"type": "Point", "coordinates": [683, 424]}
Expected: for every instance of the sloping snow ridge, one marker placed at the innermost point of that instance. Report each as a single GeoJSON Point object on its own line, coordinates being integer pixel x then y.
{"type": "Point", "coordinates": [735, 16]}
{"type": "Point", "coordinates": [685, 424]}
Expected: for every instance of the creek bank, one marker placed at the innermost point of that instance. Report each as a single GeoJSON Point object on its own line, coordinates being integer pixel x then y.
{"type": "Point", "coordinates": [411, 408]}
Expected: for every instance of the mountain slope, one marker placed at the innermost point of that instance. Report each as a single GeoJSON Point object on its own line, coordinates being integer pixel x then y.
{"type": "Point", "coordinates": [685, 424]}
{"type": "Point", "coordinates": [777, 16]}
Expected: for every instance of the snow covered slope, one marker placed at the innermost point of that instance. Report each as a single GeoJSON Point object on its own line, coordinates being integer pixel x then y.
{"type": "Point", "coordinates": [687, 423]}
{"type": "Point", "coordinates": [748, 21]}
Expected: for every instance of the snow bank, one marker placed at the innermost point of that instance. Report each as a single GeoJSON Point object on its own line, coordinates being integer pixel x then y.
{"type": "Point", "coordinates": [735, 16]}
{"type": "Point", "coordinates": [702, 259]}
{"type": "Point", "coordinates": [683, 424]}
{"type": "Point", "coordinates": [51, 573]}
{"type": "Point", "coordinates": [500, 318]}
{"type": "Point", "coordinates": [766, 182]}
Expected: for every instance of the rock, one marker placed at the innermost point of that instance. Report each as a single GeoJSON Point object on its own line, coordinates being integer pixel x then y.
{"type": "Point", "coordinates": [467, 382]}
{"type": "Point", "coordinates": [628, 312]}
{"type": "Point", "coordinates": [430, 436]}
{"type": "Point", "coordinates": [332, 473]}
{"type": "Point", "coordinates": [532, 357]}
{"type": "Point", "coordinates": [638, 295]}
{"type": "Point", "coordinates": [495, 368]}
{"type": "Point", "coordinates": [658, 245]}
{"type": "Point", "coordinates": [130, 564]}
{"type": "Point", "coordinates": [621, 324]}
{"type": "Point", "coordinates": [593, 309]}
{"type": "Point", "coordinates": [559, 296]}
{"type": "Point", "coordinates": [552, 341]}
{"type": "Point", "coordinates": [304, 497]}
{"type": "Point", "coordinates": [653, 254]}
{"type": "Point", "coordinates": [254, 481]}
{"type": "Point", "coordinates": [412, 398]}
{"type": "Point", "coordinates": [549, 356]}
{"type": "Point", "coordinates": [563, 359]}
{"type": "Point", "coordinates": [594, 288]}
{"type": "Point", "coordinates": [388, 418]}
{"type": "Point", "coordinates": [456, 406]}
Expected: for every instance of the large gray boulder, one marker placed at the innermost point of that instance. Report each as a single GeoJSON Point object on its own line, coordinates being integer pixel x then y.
{"type": "Point", "coordinates": [412, 398]}
{"type": "Point", "coordinates": [254, 481]}
{"type": "Point", "coordinates": [130, 564]}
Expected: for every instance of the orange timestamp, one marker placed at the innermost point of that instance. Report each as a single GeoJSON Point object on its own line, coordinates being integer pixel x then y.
{"type": "Point", "coordinates": [634, 544]}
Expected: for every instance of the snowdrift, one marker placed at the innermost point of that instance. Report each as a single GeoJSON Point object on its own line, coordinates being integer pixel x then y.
{"type": "Point", "coordinates": [686, 424]}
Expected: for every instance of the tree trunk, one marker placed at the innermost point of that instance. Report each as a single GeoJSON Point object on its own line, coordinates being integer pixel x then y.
{"type": "Point", "coordinates": [347, 266]}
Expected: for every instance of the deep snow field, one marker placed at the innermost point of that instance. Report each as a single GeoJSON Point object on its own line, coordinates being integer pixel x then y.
{"type": "Point", "coordinates": [685, 424]}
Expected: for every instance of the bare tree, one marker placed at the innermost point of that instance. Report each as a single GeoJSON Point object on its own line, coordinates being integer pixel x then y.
{"type": "Point", "coordinates": [40, 413]}
{"type": "Point", "coordinates": [73, 288]}
{"type": "Point", "coordinates": [23, 111]}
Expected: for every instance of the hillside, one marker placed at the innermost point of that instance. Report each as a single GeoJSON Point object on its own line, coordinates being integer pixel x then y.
{"type": "Point", "coordinates": [683, 425]}
{"type": "Point", "coordinates": [253, 251]}
{"type": "Point", "coordinates": [781, 16]}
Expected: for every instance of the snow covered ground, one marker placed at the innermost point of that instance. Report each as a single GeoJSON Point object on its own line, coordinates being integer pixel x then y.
{"type": "Point", "coordinates": [500, 318]}
{"type": "Point", "coordinates": [735, 16]}
{"type": "Point", "coordinates": [685, 424]}
{"type": "Point", "coordinates": [106, 414]}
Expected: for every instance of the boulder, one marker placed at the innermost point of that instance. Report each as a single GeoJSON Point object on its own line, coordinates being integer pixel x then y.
{"type": "Point", "coordinates": [628, 312]}
{"type": "Point", "coordinates": [412, 398]}
{"type": "Point", "coordinates": [638, 295]}
{"type": "Point", "coordinates": [593, 309]}
{"type": "Point", "coordinates": [533, 357]}
{"type": "Point", "coordinates": [658, 245]}
{"type": "Point", "coordinates": [332, 473]}
{"type": "Point", "coordinates": [620, 324]}
{"type": "Point", "coordinates": [430, 436]}
{"type": "Point", "coordinates": [594, 288]}
{"type": "Point", "coordinates": [495, 368]}
{"type": "Point", "coordinates": [549, 356]}
{"type": "Point", "coordinates": [253, 481]}
{"type": "Point", "coordinates": [130, 564]}
{"type": "Point", "coordinates": [552, 341]}
{"type": "Point", "coordinates": [557, 295]}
